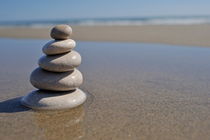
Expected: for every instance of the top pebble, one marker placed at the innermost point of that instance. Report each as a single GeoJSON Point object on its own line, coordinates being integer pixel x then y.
{"type": "Point", "coordinates": [61, 32]}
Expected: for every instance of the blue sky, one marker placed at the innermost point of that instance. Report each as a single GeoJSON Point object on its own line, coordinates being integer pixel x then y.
{"type": "Point", "coordinates": [64, 9]}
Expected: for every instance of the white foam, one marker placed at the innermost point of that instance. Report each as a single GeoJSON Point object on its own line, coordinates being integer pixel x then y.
{"type": "Point", "coordinates": [118, 21]}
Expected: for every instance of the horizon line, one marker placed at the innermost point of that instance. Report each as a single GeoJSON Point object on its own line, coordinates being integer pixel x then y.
{"type": "Point", "coordinates": [98, 18]}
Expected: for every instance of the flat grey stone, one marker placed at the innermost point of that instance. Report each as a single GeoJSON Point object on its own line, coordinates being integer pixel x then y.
{"type": "Point", "coordinates": [58, 46]}
{"type": "Point", "coordinates": [61, 31]}
{"type": "Point", "coordinates": [60, 63]}
{"type": "Point", "coordinates": [48, 100]}
{"type": "Point", "coordinates": [56, 81]}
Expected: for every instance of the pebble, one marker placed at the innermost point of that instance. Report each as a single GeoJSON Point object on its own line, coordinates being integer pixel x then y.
{"type": "Point", "coordinates": [60, 63]}
{"type": "Point", "coordinates": [56, 81]}
{"type": "Point", "coordinates": [58, 46]}
{"type": "Point", "coordinates": [48, 100]}
{"type": "Point", "coordinates": [61, 32]}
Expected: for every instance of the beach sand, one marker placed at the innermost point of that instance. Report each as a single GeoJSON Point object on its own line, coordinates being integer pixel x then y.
{"type": "Point", "coordinates": [191, 35]}
{"type": "Point", "coordinates": [135, 91]}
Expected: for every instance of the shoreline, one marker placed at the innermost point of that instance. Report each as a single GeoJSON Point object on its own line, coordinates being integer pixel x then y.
{"type": "Point", "coordinates": [188, 35]}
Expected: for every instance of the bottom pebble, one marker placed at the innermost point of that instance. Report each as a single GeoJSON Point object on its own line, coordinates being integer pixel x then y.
{"type": "Point", "coordinates": [50, 100]}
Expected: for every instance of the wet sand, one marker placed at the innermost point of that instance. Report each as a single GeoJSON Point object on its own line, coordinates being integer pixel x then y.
{"type": "Point", "coordinates": [191, 35]}
{"type": "Point", "coordinates": [135, 91]}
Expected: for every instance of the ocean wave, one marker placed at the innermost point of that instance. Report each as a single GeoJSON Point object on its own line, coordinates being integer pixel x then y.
{"type": "Point", "coordinates": [173, 20]}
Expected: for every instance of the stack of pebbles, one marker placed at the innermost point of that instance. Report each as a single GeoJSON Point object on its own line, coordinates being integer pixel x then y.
{"type": "Point", "coordinates": [57, 77]}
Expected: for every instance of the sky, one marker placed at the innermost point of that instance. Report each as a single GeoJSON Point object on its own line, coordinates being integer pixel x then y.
{"type": "Point", "coordinates": [17, 10]}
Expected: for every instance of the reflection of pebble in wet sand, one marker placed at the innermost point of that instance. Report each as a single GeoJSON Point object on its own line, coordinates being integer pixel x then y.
{"type": "Point", "coordinates": [61, 125]}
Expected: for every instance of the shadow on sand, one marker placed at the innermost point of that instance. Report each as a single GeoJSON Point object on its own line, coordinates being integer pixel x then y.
{"type": "Point", "coordinates": [12, 106]}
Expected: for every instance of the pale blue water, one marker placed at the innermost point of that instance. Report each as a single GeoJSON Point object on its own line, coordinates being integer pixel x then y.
{"type": "Point", "coordinates": [161, 20]}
